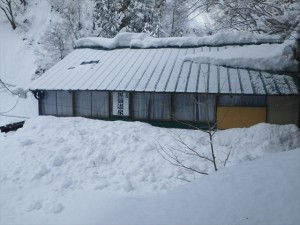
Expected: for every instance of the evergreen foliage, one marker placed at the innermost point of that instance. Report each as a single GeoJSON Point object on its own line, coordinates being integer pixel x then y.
{"type": "Point", "coordinates": [131, 15]}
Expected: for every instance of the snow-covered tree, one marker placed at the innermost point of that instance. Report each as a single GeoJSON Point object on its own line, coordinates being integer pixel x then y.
{"type": "Point", "coordinates": [132, 15]}
{"type": "Point", "coordinates": [109, 15]}
{"type": "Point", "coordinates": [261, 16]}
{"type": "Point", "coordinates": [146, 16]}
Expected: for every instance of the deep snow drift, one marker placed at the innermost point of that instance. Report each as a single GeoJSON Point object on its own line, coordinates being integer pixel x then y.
{"type": "Point", "coordinates": [272, 57]}
{"type": "Point", "coordinates": [143, 40]}
{"type": "Point", "coordinates": [261, 55]}
{"type": "Point", "coordinates": [55, 168]}
{"type": "Point", "coordinates": [265, 191]}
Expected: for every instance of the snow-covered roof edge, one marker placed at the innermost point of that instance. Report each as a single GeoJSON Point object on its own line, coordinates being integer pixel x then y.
{"type": "Point", "coordinates": [276, 57]}
{"type": "Point", "coordinates": [143, 40]}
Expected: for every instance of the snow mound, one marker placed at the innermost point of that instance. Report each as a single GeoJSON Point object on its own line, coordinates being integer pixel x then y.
{"type": "Point", "coordinates": [143, 40]}
{"type": "Point", "coordinates": [52, 163]}
{"type": "Point", "coordinates": [271, 57]}
{"type": "Point", "coordinates": [265, 191]}
{"type": "Point", "coordinates": [69, 153]}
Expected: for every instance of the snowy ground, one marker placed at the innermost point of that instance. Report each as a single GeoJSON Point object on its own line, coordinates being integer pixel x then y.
{"type": "Point", "coordinates": [81, 171]}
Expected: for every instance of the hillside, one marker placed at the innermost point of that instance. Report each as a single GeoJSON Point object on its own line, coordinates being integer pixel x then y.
{"type": "Point", "coordinates": [17, 58]}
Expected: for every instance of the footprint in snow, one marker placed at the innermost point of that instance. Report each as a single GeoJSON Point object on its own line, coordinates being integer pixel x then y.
{"type": "Point", "coordinates": [27, 142]}
{"type": "Point", "coordinates": [42, 172]}
{"type": "Point", "coordinates": [58, 161]}
{"type": "Point", "coordinates": [54, 208]}
{"type": "Point", "coordinates": [57, 208]}
{"type": "Point", "coordinates": [34, 206]}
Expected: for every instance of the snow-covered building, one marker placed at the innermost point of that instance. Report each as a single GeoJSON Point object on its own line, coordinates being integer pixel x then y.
{"type": "Point", "coordinates": [175, 81]}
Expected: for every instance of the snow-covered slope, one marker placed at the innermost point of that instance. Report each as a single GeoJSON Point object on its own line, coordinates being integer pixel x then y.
{"type": "Point", "coordinates": [56, 168]}
{"type": "Point", "coordinates": [17, 58]}
{"type": "Point", "coordinates": [265, 191]}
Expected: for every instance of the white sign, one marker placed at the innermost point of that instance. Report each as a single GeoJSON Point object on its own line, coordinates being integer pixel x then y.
{"type": "Point", "coordinates": [120, 103]}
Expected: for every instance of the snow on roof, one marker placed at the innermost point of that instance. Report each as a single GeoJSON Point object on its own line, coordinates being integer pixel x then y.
{"type": "Point", "coordinates": [157, 70]}
{"type": "Point", "coordinates": [278, 57]}
{"type": "Point", "coordinates": [143, 40]}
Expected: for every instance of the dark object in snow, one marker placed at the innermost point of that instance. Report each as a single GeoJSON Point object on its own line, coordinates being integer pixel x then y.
{"type": "Point", "coordinates": [12, 127]}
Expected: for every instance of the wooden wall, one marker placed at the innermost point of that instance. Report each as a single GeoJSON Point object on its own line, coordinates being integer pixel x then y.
{"type": "Point", "coordinates": [233, 117]}
{"type": "Point", "coordinates": [283, 109]}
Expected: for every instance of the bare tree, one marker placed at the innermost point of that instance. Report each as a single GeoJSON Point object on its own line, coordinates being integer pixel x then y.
{"type": "Point", "coordinates": [11, 8]}
{"type": "Point", "coordinates": [176, 154]}
{"type": "Point", "coordinates": [7, 7]}
{"type": "Point", "coordinates": [24, 2]}
{"type": "Point", "coordinates": [53, 46]}
{"type": "Point", "coordinates": [55, 40]}
{"type": "Point", "coordinates": [72, 14]}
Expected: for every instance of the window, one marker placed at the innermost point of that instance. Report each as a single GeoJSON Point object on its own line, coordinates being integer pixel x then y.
{"type": "Point", "coordinates": [48, 103]}
{"type": "Point", "coordinates": [100, 104]}
{"type": "Point", "coordinates": [151, 106]}
{"type": "Point", "coordinates": [194, 107]}
{"type": "Point", "coordinates": [92, 104]}
{"type": "Point", "coordinates": [206, 107]}
{"type": "Point", "coordinates": [83, 103]}
{"type": "Point", "coordinates": [141, 105]}
{"type": "Point", "coordinates": [160, 105]}
{"type": "Point", "coordinates": [64, 103]}
{"type": "Point", "coordinates": [184, 107]}
{"type": "Point", "coordinates": [89, 62]}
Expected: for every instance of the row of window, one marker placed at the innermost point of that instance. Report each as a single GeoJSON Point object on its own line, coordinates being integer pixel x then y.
{"type": "Point", "coordinates": [154, 106]}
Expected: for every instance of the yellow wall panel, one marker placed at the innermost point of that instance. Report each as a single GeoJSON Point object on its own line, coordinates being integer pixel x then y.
{"type": "Point", "coordinates": [233, 117]}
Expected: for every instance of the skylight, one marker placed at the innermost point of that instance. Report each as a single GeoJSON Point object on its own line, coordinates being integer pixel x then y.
{"type": "Point", "coordinates": [90, 62]}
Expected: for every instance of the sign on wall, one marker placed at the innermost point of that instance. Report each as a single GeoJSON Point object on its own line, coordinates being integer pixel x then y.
{"type": "Point", "coordinates": [120, 104]}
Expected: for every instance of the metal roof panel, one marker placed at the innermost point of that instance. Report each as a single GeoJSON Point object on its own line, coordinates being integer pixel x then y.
{"type": "Point", "coordinates": [157, 70]}
{"type": "Point", "coordinates": [245, 81]}
{"type": "Point", "coordinates": [257, 82]}
{"type": "Point", "coordinates": [234, 81]}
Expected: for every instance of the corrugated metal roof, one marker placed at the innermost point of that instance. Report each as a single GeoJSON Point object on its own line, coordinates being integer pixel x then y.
{"type": "Point", "coordinates": [157, 70]}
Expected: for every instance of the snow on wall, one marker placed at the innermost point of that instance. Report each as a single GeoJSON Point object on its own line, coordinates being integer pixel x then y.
{"type": "Point", "coordinates": [143, 40]}
{"type": "Point", "coordinates": [272, 57]}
